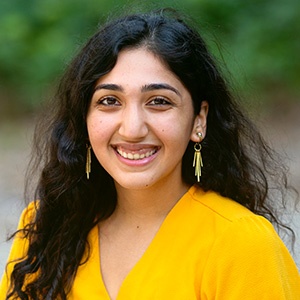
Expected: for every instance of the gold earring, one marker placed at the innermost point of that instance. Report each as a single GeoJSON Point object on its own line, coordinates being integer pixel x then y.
{"type": "Point", "coordinates": [88, 161]}
{"type": "Point", "coordinates": [197, 163]}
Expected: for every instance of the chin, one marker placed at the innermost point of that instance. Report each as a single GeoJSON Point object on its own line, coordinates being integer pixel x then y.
{"type": "Point", "coordinates": [135, 185]}
{"type": "Point", "coordinates": [137, 182]}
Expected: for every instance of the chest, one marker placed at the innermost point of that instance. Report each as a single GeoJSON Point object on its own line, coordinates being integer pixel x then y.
{"type": "Point", "coordinates": [120, 252]}
{"type": "Point", "coordinates": [164, 269]}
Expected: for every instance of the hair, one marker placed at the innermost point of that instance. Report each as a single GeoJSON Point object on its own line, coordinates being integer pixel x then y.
{"type": "Point", "coordinates": [238, 162]}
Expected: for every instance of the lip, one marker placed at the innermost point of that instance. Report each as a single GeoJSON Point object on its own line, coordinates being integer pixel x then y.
{"type": "Point", "coordinates": [136, 154]}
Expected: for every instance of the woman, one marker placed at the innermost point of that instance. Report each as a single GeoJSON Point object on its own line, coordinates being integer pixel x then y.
{"type": "Point", "coordinates": [128, 209]}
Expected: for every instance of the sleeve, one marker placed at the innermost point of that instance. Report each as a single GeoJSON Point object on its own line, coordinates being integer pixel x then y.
{"type": "Point", "coordinates": [18, 249]}
{"type": "Point", "coordinates": [249, 261]}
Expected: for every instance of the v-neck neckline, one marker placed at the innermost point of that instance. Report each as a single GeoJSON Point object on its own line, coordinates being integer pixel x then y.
{"type": "Point", "coordinates": [147, 252]}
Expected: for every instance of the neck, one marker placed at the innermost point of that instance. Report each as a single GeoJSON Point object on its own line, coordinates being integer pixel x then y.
{"type": "Point", "coordinates": [150, 203]}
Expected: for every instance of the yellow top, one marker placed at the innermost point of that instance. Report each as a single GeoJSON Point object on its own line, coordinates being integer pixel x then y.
{"type": "Point", "coordinates": [208, 247]}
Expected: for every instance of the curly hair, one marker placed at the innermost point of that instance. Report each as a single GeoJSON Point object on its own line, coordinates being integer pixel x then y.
{"type": "Point", "coordinates": [238, 162]}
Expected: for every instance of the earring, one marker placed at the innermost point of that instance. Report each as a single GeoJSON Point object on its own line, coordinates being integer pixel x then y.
{"type": "Point", "coordinates": [197, 163]}
{"type": "Point", "coordinates": [88, 161]}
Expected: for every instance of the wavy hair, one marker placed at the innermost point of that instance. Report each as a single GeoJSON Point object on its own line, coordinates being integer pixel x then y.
{"type": "Point", "coordinates": [238, 162]}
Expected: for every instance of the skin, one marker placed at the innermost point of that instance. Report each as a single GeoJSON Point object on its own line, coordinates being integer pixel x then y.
{"type": "Point", "coordinates": [139, 122]}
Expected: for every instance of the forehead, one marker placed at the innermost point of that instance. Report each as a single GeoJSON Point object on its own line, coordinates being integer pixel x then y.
{"type": "Point", "coordinates": [139, 66]}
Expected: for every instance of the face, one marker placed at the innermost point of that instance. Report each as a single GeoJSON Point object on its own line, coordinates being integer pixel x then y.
{"type": "Point", "coordinates": [140, 121]}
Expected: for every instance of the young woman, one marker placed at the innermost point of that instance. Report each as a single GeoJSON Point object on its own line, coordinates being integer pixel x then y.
{"type": "Point", "coordinates": [154, 184]}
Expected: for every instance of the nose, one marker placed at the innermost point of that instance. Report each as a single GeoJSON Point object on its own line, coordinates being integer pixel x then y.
{"type": "Point", "coordinates": [133, 125]}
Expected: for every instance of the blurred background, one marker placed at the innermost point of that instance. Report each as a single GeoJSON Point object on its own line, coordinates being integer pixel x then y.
{"type": "Point", "coordinates": [258, 39]}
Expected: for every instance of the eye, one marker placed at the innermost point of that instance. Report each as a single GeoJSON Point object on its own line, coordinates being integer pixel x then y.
{"type": "Point", "coordinates": [159, 101]}
{"type": "Point", "coordinates": [108, 101]}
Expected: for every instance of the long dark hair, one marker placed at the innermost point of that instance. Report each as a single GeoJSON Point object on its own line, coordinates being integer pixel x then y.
{"type": "Point", "coordinates": [237, 162]}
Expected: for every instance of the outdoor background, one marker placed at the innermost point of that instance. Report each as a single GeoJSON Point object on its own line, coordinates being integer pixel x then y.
{"type": "Point", "coordinates": [258, 40]}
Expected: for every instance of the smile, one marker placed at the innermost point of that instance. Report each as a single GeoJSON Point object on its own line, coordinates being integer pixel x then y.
{"type": "Point", "coordinates": [135, 155]}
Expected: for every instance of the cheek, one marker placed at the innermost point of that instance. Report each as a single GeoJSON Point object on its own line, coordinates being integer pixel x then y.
{"type": "Point", "coordinates": [176, 133]}
{"type": "Point", "coordinates": [96, 130]}
{"type": "Point", "coordinates": [180, 125]}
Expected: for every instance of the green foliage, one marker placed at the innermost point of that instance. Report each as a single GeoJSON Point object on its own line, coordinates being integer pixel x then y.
{"type": "Point", "coordinates": [259, 38]}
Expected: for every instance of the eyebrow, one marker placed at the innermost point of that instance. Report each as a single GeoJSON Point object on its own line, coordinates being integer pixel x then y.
{"type": "Point", "coordinates": [145, 88]}
{"type": "Point", "coordinates": [109, 86]}
{"type": "Point", "coordinates": [159, 86]}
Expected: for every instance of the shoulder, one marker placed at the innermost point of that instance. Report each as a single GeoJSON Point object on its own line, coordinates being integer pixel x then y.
{"type": "Point", "coordinates": [19, 246]}
{"type": "Point", "coordinates": [28, 214]}
{"type": "Point", "coordinates": [218, 205]}
{"type": "Point", "coordinates": [229, 220]}
{"type": "Point", "coordinates": [20, 242]}
{"type": "Point", "coordinates": [247, 249]}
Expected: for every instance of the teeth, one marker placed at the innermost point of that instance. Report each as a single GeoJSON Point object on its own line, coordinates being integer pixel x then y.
{"type": "Point", "coordinates": [135, 156]}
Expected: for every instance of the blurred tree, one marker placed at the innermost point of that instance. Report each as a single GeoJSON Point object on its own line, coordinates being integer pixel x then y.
{"type": "Point", "coordinates": [260, 38]}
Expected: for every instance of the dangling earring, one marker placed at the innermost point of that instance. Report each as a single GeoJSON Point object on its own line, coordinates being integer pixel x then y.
{"type": "Point", "coordinates": [88, 161]}
{"type": "Point", "coordinates": [197, 163]}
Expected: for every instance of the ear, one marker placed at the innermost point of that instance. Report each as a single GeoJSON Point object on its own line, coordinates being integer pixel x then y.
{"type": "Point", "coordinates": [200, 122]}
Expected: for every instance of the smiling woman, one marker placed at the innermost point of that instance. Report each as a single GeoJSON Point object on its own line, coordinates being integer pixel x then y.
{"type": "Point", "coordinates": [140, 122]}
{"type": "Point", "coordinates": [122, 213]}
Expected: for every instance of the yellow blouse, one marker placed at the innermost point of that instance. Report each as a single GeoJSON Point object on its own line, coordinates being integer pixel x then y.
{"type": "Point", "coordinates": [208, 247]}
